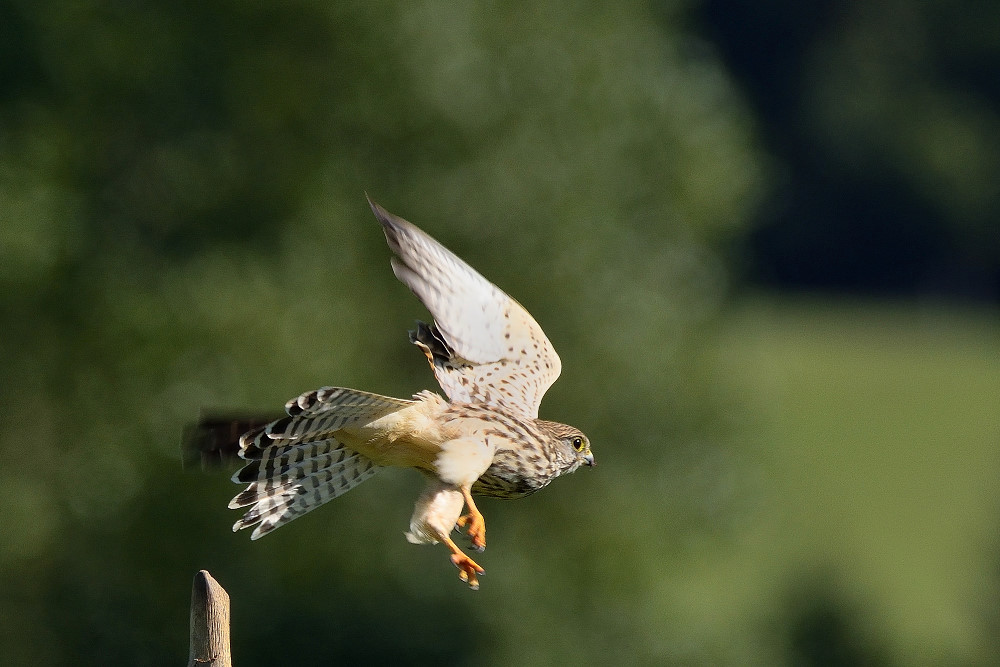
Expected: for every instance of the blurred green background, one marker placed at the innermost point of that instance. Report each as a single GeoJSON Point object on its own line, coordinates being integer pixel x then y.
{"type": "Point", "coordinates": [762, 236]}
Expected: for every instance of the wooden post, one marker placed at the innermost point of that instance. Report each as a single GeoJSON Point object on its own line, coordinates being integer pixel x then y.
{"type": "Point", "coordinates": [209, 623]}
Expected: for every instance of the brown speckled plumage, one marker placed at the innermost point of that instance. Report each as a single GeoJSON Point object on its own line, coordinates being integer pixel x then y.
{"type": "Point", "coordinates": [493, 362]}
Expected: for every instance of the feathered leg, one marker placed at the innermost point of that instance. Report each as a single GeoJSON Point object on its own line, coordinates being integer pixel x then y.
{"type": "Point", "coordinates": [434, 516]}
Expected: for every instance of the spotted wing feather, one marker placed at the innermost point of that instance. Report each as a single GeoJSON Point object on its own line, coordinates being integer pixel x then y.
{"type": "Point", "coordinates": [289, 481]}
{"type": "Point", "coordinates": [483, 346]}
{"type": "Point", "coordinates": [295, 464]}
{"type": "Point", "coordinates": [317, 414]}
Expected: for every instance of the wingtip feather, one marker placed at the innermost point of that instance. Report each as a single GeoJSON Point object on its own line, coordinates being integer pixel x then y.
{"type": "Point", "coordinates": [381, 214]}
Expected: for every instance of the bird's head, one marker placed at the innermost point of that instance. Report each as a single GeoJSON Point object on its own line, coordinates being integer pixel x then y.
{"type": "Point", "coordinates": [572, 447]}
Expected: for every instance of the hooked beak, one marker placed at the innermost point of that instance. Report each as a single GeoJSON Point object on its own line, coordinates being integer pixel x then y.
{"type": "Point", "coordinates": [589, 459]}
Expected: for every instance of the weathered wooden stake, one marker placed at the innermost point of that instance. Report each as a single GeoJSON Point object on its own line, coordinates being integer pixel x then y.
{"type": "Point", "coordinates": [209, 623]}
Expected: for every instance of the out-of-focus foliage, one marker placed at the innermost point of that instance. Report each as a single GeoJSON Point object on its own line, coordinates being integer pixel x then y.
{"type": "Point", "coordinates": [183, 225]}
{"type": "Point", "coordinates": [885, 117]}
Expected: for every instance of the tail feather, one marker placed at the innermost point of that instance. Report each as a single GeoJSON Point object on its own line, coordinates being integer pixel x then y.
{"type": "Point", "coordinates": [214, 441]}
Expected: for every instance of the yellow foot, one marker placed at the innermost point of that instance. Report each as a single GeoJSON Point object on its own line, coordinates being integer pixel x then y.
{"type": "Point", "coordinates": [468, 570]}
{"type": "Point", "coordinates": [477, 528]}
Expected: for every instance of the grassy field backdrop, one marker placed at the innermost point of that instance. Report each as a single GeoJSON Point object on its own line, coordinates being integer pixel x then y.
{"type": "Point", "coordinates": [879, 469]}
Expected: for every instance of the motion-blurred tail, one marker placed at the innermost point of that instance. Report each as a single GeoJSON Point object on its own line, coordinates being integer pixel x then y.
{"type": "Point", "coordinates": [214, 441]}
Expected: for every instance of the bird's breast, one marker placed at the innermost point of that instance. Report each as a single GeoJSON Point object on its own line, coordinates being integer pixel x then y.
{"type": "Point", "coordinates": [515, 473]}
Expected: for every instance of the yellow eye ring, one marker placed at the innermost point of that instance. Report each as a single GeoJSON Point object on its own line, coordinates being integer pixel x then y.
{"type": "Point", "coordinates": [578, 443]}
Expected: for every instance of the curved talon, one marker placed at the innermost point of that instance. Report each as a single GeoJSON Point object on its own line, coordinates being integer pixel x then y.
{"type": "Point", "coordinates": [477, 528]}
{"type": "Point", "coordinates": [468, 569]}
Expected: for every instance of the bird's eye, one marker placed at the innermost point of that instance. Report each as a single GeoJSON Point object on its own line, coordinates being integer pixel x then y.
{"type": "Point", "coordinates": [578, 443]}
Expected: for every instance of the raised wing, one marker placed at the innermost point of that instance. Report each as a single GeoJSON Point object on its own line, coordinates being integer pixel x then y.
{"type": "Point", "coordinates": [483, 346]}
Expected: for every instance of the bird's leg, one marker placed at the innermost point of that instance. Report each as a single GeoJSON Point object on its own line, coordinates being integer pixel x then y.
{"type": "Point", "coordinates": [474, 520]}
{"type": "Point", "coordinates": [468, 568]}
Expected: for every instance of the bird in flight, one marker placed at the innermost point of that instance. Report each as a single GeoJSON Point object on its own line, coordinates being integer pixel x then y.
{"type": "Point", "coordinates": [493, 362]}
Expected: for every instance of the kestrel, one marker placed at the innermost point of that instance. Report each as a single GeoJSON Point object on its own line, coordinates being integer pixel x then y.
{"type": "Point", "coordinates": [493, 362]}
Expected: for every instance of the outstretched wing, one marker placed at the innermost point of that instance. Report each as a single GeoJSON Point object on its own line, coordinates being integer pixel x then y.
{"type": "Point", "coordinates": [483, 346]}
{"type": "Point", "coordinates": [296, 463]}
{"type": "Point", "coordinates": [290, 479]}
